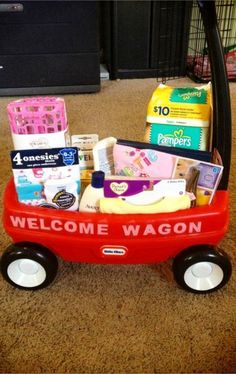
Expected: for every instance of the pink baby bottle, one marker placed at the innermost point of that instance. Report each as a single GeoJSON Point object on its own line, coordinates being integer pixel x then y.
{"type": "Point", "coordinates": [38, 122]}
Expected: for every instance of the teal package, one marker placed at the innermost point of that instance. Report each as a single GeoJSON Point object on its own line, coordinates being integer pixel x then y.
{"type": "Point", "coordinates": [189, 96]}
{"type": "Point", "coordinates": [189, 137]}
{"type": "Point", "coordinates": [29, 192]}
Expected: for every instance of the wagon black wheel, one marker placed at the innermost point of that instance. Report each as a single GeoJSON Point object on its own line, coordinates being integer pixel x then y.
{"type": "Point", "coordinates": [28, 266]}
{"type": "Point", "coordinates": [202, 269]}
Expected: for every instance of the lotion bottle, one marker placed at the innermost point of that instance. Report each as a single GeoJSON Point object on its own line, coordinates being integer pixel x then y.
{"type": "Point", "coordinates": [93, 193]}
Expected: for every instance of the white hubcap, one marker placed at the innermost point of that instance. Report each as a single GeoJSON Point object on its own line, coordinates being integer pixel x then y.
{"type": "Point", "coordinates": [26, 273]}
{"type": "Point", "coordinates": [203, 276]}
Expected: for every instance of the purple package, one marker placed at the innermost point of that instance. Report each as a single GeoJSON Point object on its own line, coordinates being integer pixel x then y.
{"type": "Point", "coordinates": [143, 191]}
{"type": "Point", "coordinates": [208, 175]}
{"type": "Point", "coordinates": [124, 187]}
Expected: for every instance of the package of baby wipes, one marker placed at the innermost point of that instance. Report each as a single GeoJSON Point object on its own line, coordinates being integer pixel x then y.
{"type": "Point", "coordinates": [180, 117]}
{"type": "Point", "coordinates": [142, 191]}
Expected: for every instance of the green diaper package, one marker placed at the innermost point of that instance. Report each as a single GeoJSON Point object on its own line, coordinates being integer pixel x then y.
{"type": "Point", "coordinates": [180, 117]}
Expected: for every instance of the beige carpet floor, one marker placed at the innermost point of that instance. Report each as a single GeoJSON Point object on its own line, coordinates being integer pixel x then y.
{"type": "Point", "coordinates": [116, 319]}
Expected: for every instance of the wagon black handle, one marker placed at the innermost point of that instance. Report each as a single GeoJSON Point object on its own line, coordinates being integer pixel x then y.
{"type": "Point", "coordinates": [220, 88]}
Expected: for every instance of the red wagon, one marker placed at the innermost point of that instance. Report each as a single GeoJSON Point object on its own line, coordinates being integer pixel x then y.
{"type": "Point", "coordinates": [191, 237]}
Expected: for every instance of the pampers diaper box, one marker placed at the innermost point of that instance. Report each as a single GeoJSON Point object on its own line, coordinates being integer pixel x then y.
{"type": "Point", "coordinates": [47, 177]}
{"type": "Point", "coordinates": [180, 117]}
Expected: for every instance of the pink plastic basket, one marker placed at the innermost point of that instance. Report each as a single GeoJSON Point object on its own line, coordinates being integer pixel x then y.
{"type": "Point", "coordinates": [38, 115]}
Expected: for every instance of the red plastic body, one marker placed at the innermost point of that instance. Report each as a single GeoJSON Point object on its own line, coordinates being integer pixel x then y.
{"type": "Point", "coordinates": [117, 239]}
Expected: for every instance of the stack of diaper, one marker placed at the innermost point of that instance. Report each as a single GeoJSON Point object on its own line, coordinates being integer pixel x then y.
{"type": "Point", "coordinates": [179, 117]}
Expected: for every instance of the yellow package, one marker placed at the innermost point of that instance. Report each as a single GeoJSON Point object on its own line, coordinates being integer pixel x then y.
{"type": "Point", "coordinates": [179, 117]}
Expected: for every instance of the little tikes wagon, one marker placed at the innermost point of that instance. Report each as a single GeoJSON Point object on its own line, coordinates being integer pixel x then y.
{"type": "Point", "coordinates": [191, 237]}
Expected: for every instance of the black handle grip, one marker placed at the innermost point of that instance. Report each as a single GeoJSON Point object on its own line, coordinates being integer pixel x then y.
{"type": "Point", "coordinates": [220, 88]}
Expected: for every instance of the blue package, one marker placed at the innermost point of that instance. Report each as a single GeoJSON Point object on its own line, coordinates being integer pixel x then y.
{"type": "Point", "coordinates": [32, 169]}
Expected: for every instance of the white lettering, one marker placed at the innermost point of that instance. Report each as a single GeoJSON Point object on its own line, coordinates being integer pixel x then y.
{"type": "Point", "coordinates": [18, 159]}
{"type": "Point", "coordinates": [195, 227]}
{"type": "Point", "coordinates": [18, 221]}
{"type": "Point", "coordinates": [86, 228]}
{"type": "Point", "coordinates": [164, 229]}
{"type": "Point", "coordinates": [149, 229]}
{"type": "Point", "coordinates": [173, 141]}
{"type": "Point", "coordinates": [131, 230]}
{"type": "Point", "coordinates": [70, 226]}
{"type": "Point", "coordinates": [42, 224]}
{"type": "Point", "coordinates": [56, 225]}
{"type": "Point", "coordinates": [32, 223]}
{"type": "Point", "coordinates": [180, 228]}
{"type": "Point", "coordinates": [102, 229]}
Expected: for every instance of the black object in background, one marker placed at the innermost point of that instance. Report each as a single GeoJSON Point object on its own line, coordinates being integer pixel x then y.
{"type": "Point", "coordinates": [146, 38]}
{"type": "Point", "coordinates": [222, 123]}
{"type": "Point", "coordinates": [49, 47]}
{"type": "Point", "coordinates": [198, 61]}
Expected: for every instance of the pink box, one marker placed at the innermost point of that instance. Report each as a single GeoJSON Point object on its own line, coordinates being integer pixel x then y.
{"type": "Point", "coordinates": [38, 115]}
{"type": "Point", "coordinates": [39, 122]}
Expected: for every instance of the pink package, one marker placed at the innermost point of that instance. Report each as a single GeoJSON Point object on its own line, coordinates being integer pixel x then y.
{"type": "Point", "coordinates": [37, 115]}
{"type": "Point", "coordinates": [136, 162]}
{"type": "Point", "coordinates": [38, 122]}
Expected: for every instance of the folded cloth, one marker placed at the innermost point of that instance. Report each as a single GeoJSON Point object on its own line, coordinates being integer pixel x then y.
{"type": "Point", "coordinates": [165, 205]}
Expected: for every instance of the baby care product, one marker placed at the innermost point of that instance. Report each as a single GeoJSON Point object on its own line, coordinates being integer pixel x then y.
{"type": "Point", "coordinates": [39, 122]}
{"type": "Point", "coordinates": [142, 191]}
{"type": "Point", "coordinates": [182, 152]}
{"type": "Point", "coordinates": [30, 193]}
{"type": "Point", "coordinates": [40, 173]}
{"type": "Point", "coordinates": [166, 205]}
{"type": "Point", "coordinates": [103, 155]}
{"type": "Point", "coordinates": [93, 193]}
{"type": "Point", "coordinates": [62, 193]}
{"type": "Point", "coordinates": [180, 117]}
{"type": "Point", "coordinates": [134, 162]}
{"type": "Point", "coordinates": [85, 143]}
